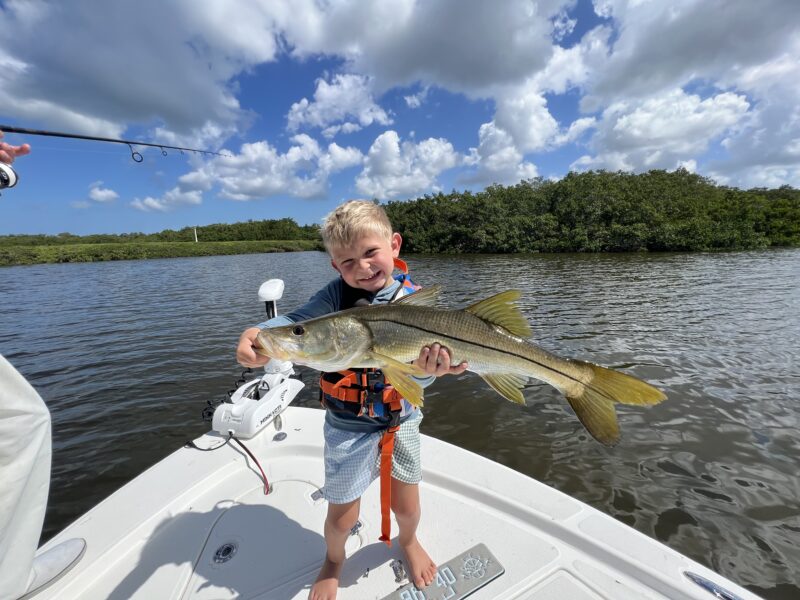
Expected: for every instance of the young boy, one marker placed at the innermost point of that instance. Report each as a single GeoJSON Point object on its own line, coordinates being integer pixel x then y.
{"type": "Point", "coordinates": [364, 251]}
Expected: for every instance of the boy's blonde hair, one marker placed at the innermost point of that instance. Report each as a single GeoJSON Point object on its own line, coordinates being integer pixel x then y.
{"type": "Point", "coordinates": [352, 220]}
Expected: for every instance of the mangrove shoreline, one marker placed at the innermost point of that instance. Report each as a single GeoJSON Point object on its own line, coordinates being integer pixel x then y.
{"type": "Point", "coordinates": [596, 211]}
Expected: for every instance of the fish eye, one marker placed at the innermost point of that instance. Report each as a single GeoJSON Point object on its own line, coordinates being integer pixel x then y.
{"type": "Point", "coordinates": [298, 330]}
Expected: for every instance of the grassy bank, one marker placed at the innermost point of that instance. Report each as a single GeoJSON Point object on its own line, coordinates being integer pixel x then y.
{"type": "Point", "coordinates": [30, 255]}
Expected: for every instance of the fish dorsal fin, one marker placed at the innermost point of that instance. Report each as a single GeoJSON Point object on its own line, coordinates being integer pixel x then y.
{"type": "Point", "coordinates": [424, 297]}
{"type": "Point", "coordinates": [501, 310]}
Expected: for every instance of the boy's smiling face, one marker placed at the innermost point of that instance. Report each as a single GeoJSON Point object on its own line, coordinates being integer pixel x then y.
{"type": "Point", "coordinates": [368, 262]}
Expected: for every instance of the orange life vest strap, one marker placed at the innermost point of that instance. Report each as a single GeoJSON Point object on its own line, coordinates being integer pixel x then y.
{"type": "Point", "coordinates": [354, 387]}
{"type": "Point", "coordinates": [386, 450]}
{"type": "Point", "coordinates": [348, 388]}
{"type": "Point", "coordinates": [349, 377]}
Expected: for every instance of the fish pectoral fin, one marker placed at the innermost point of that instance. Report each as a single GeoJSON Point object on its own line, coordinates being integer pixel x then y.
{"type": "Point", "coordinates": [398, 375]}
{"type": "Point", "coordinates": [406, 387]}
{"type": "Point", "coordinates": [424, 297]}
{"type": "Point", "coordinates": [501, 310]}
{"type": "Point", "coordinates": [507, 385]}
{"type": "Point", "coordinates": [598, 416]}
{"type": "Point", "coordinates": [396, 365]}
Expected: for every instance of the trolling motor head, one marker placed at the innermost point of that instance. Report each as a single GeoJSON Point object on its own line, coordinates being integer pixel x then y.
{"type": "Point", "coordinates": [8, 176]}
{"type": "Point", "coordinates": [269, 293]}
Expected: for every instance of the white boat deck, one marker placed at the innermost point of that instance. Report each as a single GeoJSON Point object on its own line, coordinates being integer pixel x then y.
{"type": "Point", "coordinates": [158, 535]}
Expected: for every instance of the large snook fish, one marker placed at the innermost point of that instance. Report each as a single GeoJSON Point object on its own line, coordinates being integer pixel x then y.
{"type": "Point", "coordinates": [489, 335]}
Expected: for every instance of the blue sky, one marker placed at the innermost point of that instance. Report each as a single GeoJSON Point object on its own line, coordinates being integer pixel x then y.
{"type": "Point", "coordinates": [315, 103]}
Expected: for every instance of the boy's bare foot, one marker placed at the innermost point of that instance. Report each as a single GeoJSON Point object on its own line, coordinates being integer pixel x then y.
{"type": "Point", "coordinates": [327, 583]}
{"type": "Point", "coordinates": [421, 568]}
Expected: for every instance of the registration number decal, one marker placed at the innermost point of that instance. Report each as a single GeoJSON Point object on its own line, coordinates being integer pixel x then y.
{"type": "Point", "coordinates": [457, 578]}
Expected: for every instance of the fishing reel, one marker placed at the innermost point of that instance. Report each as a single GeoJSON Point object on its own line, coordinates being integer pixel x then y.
{"type": "Point", "coordinates": [8, 176]}
{"type": "Point", "coordinates": [259, 402]}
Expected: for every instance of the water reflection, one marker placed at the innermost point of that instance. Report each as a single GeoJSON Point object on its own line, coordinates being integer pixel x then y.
{"type": "Point", "coordinates": [126, 354]}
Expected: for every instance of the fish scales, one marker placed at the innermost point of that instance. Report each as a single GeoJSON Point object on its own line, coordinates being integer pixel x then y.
{"type": "Point", "coordinates": [489, 335]}
{"type": "Point", "coordinates": [401, 332]}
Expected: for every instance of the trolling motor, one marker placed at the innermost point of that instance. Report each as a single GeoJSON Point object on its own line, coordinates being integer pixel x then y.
{"type": "Point", "coordinates": [259, 402]}
{"type": "Point", "coordinates": [8, 176]}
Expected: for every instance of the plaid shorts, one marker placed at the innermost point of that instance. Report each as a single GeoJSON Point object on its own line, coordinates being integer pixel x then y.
{"type": "Point", "coordinates": [352, 460]}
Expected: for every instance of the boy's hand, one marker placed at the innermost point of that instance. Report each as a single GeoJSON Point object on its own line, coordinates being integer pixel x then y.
{"type": "Point", "coordinates": [245, 355]}
{"type": "Point", "coordinates": [435, 360]}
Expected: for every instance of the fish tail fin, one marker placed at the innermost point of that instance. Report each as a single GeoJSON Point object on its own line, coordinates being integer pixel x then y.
{"type": "Point", "coordinates": [594, 406]}
{"type": "Point", "coordinates": [598, 416]}
{"type": "Point", "coordinates": [623, 388]}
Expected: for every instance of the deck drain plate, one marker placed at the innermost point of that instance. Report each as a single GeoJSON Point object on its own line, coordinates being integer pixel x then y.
{"type": "Point", "coordinates": [225, 552]}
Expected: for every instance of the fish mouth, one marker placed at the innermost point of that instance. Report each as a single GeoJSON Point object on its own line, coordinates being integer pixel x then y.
{"type": "Point", "coordinates": [270, 347]}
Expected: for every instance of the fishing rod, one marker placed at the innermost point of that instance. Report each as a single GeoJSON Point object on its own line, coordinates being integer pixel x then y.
{"type": "Point", "coordinates": [9, 178]}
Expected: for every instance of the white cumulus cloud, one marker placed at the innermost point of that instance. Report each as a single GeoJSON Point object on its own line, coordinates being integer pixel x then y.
{"type": "Point", "coordinates": [176, 79]}
{"type": "Point", "coordinates": [663, 45]}
{"type": "Point", "coordinates": [346, 97]}
{"type": "Point", "coordinates": [172, 199]}
{"type": "Point", "coordinates": [101, 194]}
{"type": "Point", "coordinates": [563, 25]}
{"type": "Point", "coordinates": [395, 170]}
{"type": "Point", "coordinates": [259, 171]}
{"type": "Point", "coordinates": [525, 117]}
{"type": "Point", "coordinates": [652, 84]}
{"type": "Point", "coordinates": [416, 100]}
{"type": "Point", "coordinates": [497, 159]}
{"type": "Point", "coordinates": [662, 132]}
{"type": "Point", "coordinates": [461, 45]}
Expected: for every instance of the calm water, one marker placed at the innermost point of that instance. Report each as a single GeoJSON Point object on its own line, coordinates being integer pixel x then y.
{"type": "Point", "coordinates": [126, 354]}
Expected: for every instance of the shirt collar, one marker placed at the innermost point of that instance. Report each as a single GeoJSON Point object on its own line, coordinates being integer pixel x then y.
{"type": "Point", "coordinates": [386, 294]}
